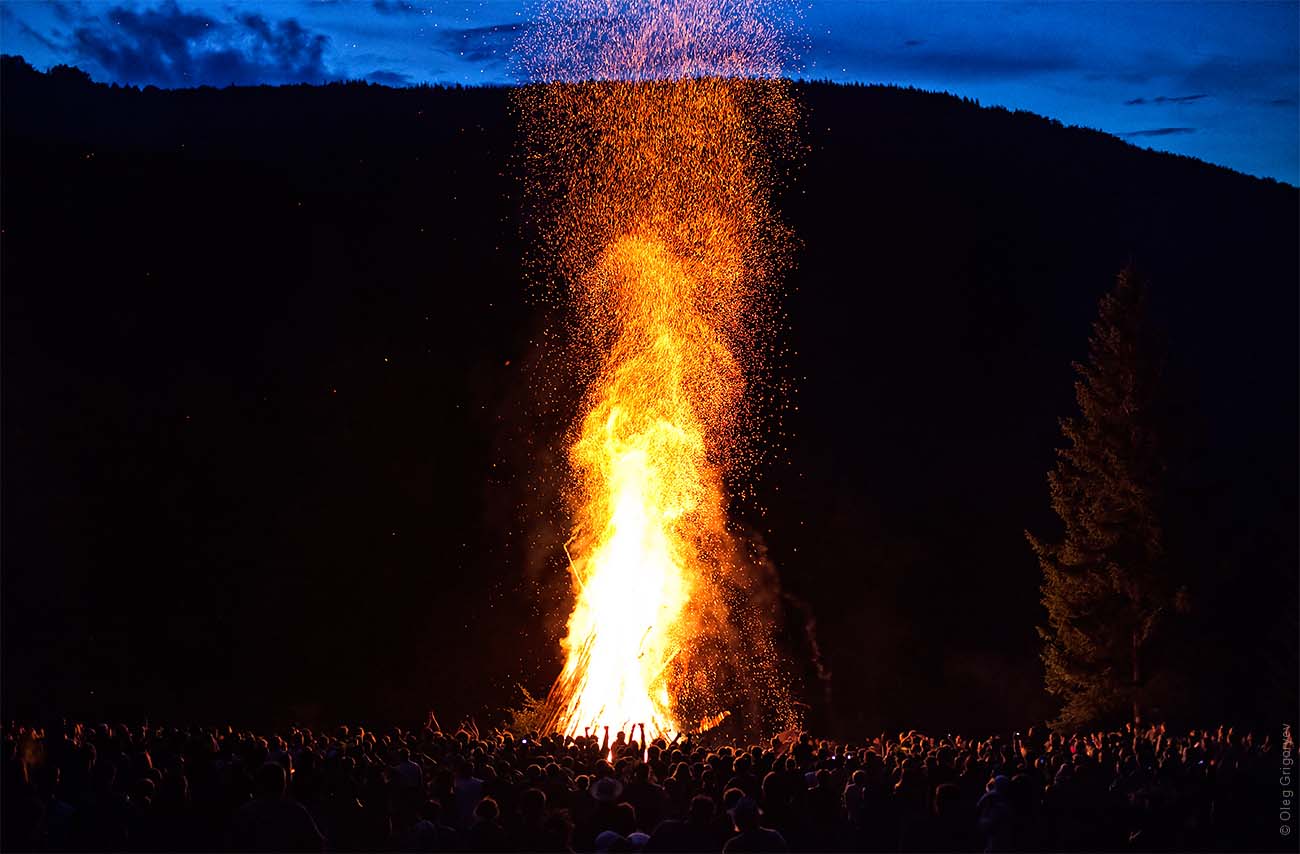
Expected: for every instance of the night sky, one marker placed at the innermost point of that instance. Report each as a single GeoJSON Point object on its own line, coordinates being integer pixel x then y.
{"type": "Point", "coordinates": [1216, 81]}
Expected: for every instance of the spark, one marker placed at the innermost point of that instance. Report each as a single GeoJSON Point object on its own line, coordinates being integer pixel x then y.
{"type": "Point", "coordinates": [650, 134]}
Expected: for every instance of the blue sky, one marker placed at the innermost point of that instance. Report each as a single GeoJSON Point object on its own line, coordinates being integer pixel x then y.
{"type": "Point", "coordinates": [1219, 81]}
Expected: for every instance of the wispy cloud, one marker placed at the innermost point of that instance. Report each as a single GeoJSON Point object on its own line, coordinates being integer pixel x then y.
{"type": "Point", "coordinates": [1165, 99]}
{"type": "Point", "coordinates": [396, 7]}
{"type": "Point", "coordinates": [1157, 132]}
{"type": "Point", "coordinates": [389, 78]}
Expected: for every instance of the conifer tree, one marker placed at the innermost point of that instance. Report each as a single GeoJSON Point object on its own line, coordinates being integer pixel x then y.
{"type": "Point", "coordinates": [1106, 584]}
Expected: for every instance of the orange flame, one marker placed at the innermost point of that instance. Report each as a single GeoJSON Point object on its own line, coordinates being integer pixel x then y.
{"type": "Point", "coordinates": [666, 238]}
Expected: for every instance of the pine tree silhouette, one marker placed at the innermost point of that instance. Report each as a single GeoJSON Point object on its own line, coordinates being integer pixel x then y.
{"type": "Point", "coordinates": [1106, 583]}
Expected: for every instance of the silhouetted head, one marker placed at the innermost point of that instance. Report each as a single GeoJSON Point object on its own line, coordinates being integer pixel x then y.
{"type": "Point", "coordinates": [558, 831]}
{"type": "Point", "coordinates": [431, 811]}
{"type": "Point", "coordinates": [701, 809]}
{"type": "Point", "coordinates": [174, 791]}
{"type": "Point", "coordinates": [624, 818]}
{"type": "Point", "coordinates": [745, 814]}
{"type": "Point", "coordinates": [486, 811]}
{"type": "Point", "coordinates": [532, 803]}
{"type": "Point", "coordinates": [607, 789]}
{"type": "Point", "coordinates": [269, 781]}
{"type": "Point", "coordinates": [104, 774]}
{"type": "Point", "coordinates": [947, 800]}
{"type": "Point", "coordinates": [143, 790]}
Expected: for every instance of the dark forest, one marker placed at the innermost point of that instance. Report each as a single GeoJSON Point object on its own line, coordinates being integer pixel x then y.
{"type": "Point", "coordinates": [272, 447]}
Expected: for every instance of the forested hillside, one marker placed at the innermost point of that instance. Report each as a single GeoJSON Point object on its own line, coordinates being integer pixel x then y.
{"type": "Point", "coordinates": [321, 289]}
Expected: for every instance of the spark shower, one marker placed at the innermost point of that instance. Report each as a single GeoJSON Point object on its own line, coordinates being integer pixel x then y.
{"type": "Point", "coordinates": [650, 130]}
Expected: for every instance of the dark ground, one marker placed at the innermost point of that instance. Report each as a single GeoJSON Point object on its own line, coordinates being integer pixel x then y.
{"type": "Point", "coordinates": [269, 448]}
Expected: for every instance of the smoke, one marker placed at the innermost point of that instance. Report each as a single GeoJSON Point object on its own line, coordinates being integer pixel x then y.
{"type": "Point", "coordinates": [791, 618]}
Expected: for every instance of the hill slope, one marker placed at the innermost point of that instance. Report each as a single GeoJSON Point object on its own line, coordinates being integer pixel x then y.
{"type": "Point", "coordinates": [270, 440]}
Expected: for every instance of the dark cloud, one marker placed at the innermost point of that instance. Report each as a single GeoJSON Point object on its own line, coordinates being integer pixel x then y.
{"type": "Point", "coordinates": [395, 7]}
{"type": "Point", "coordinates": [483, 44]}
{"type": "Point", "coordinates": [389, 78]}
{"type": "Point", "coordinates": [168, 46]}
{"type": "Point", "coordinates": [7, 14]}
{"type": "Point", "coordinates": [1157, 132]}
{"type": "Point", "coordinates": [65, 12]}
{"type": "Point", "coordinates": [1165, 99]}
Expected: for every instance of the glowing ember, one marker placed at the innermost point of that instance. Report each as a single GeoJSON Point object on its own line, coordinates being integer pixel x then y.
{"type": "Point", "coordinates": [662, 230]}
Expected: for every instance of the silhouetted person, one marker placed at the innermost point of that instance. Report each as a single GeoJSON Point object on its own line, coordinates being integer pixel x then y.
{"type": "Point", "coordinates": [272, 822]}
{"type": "Point", "coordinates": [647, 797]}
{"type": "Point", "coordinates": [697, 832]}
{"type": "Point", "coordinates": [751, 837]}
{"type": "Point", "coordinates": [468, 791]}
{"type": "Point", "coordinates": [948, 828]}
{"type": "Point", "coordinates": [486, 834]}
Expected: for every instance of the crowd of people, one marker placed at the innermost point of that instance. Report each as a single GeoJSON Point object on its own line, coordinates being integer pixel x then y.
{"type": "Point", "coordinates": [104, 787]}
